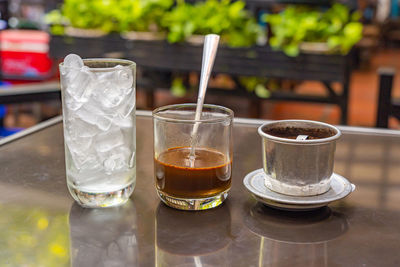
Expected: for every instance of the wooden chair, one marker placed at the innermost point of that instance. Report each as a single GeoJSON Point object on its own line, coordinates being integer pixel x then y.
{"type": "Point", "coordinates": [387, 106]}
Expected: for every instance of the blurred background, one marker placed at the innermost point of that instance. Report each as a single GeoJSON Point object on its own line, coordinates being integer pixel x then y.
{"type": "Point", "coordinates": [331, 61]}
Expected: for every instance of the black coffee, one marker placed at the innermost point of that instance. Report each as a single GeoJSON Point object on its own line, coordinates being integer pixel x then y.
{"type": "Point", "coordinates": [210, 175]}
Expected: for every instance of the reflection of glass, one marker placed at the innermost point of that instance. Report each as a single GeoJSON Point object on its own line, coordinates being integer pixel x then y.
{"type": "Point", "coordinates": [192, 179]}
{"type": "Point", "coordinates": [192, 238]}
{"type": "Point", "coordinates": [103, 237]}
{"type": "Point", "coordinates": [98, 97]}
{"type": "Point", "coordinates": [302, 235]}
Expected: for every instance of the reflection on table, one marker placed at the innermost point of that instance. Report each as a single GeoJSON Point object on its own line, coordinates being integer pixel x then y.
{"type": "Point", "coordinates": [207, 232]}
{"type": "Point", "coordinates": [103, 237]}
{"type": "Point", "coordinates": [33, 236]}
{"type": "Point", "coordinates": [288, 237]}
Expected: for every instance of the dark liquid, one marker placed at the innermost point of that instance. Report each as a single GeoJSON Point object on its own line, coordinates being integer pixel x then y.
{"type": "Point", "coordinates": [293, 132]}
{"type": "Point", "coordinates": [210, 175]}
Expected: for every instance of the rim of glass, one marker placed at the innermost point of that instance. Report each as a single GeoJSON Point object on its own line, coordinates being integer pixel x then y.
{"type": "Point", "coordinates": [225, 110]}
{"type": "Point", "coordinates": [127, 63]}
{"type": "Point", "coordinates": [332, 138]}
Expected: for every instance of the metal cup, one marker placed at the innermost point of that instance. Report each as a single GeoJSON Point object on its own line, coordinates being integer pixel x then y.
{"type": "Point", "coordinates": [298, 156]}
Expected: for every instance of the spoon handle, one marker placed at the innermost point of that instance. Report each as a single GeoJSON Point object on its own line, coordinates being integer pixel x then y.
{"type": "Point", "coordinates": [209, 52]}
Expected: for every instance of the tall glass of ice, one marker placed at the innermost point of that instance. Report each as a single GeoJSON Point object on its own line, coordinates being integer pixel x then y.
{"type": "Point", "coordinates": [98, 98]}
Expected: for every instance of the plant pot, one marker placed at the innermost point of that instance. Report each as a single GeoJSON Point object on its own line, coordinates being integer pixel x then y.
{"type": "Point", "coordinates": [88, 33]}
{"type": "Point", "coordinates": [144, 36]}
{"type": "Point", "coordinates": [315, 48]}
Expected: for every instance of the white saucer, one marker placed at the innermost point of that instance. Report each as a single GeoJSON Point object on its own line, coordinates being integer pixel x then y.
{"type": "Point", "coordinates": [254, 182]}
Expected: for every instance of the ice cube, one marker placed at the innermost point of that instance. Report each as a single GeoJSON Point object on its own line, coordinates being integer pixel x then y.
{"type": "Point", "coordinates": [73, 61]}
{"type": "Point", "coordinates": [72, 65]}
{"type": "Point", "coordinates": [86, 162]}
{"type": "Point", "coordinates": [71, 103]}
{"type": "Point", "coordinates": [108, 140]}
{"type": "Point", "coordinates": [116, 159]}
{"type": "Point", "coordinates": [77, 145]}
{"type": "Point", "coordinates": [123, 122]}
{"type": "Point", "coordinates": [78, 128]}
{"type": "Point", "coordinates": [83, 160]}
{"type": "Point", "coordinates": [81, 86]}
{"type": "Point", "coordinates": [92, 115]}
{"type": "Point", "coordinates": [91, 163]}
{"type": "Point", "coordinates": [95, 107]}
{"type": "Point", "coordinates": [123, 78]}
{"type": "Point", "coordinates": [108, 94]}
{"type": "Point", "coordinates": [114, 163]}
{"type": "Point", "coordinates": [87, 116]}
{"type": "Point", "coordinates": [127, 106]}
{"type": "Point", "coordinates": [63, 70]}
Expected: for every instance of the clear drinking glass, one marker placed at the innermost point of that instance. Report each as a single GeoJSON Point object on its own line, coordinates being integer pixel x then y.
{"type": "Point", "coordinates": [187, 182]}
{"type": "Point", "coordinates": [99, 130]}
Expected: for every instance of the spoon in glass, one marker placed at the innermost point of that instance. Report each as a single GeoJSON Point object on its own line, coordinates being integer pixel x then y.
{"type": "Point", "coordinates": [209, 52]}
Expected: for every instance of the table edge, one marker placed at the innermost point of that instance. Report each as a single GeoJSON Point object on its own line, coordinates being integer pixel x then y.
{"type": "Point", "coordinates": [243, 121]}
{"type": "Point", "coordinates": [36, 128]}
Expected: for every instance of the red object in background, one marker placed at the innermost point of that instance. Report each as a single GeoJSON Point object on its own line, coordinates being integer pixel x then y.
{"type": "Point", "coordinates": [24, 54]}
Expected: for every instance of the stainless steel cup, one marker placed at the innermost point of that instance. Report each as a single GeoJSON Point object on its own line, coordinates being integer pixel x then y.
{"type": "Point", "coordinates": [298, 156]}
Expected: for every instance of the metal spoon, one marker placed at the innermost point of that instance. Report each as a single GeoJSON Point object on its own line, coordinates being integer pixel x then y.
{"type": "Point", "coordinates": [209, 52]}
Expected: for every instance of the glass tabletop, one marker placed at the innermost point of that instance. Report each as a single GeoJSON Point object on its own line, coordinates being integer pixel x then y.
{"type": "Point", "coordinates": [40, 225]}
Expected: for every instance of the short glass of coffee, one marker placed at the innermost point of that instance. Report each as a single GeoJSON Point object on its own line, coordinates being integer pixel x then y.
{"type": "Point", "coordinates": [192, 158]}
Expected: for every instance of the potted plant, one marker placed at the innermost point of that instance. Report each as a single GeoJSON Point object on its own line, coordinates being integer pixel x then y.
{"type": "Point", "coordinates": [141, 19]}
{"type": "Point", "coordinates": [134, 19]}
{"type": "Point", "coordinates": [186, 22]}
{"type": "Point", "coordinates": [306, 29]}
{"type": "Point", "coordinates": [86, 18]}
{"type": "Point", "coordinates": [56, 21]}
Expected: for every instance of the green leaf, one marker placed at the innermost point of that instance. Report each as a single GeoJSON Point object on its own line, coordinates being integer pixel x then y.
{"type": "Point", "coordinates": [297, 24]}
{"type": "Point", "coordinates": [236, 8]}
{"type": "Point", "coordinates": [353, 30]}
{"type": "Point", "coordinates": [261, 91]}
{"type": "Point", "coordinates": [274, 41]}
{"type": "Point", "coordinates": [57, 30]}
{"type": "Point", "coordinates": [291, 50]}
{"type": "Point", "coordinates": [356, 16]}
{"type": "Point", "coordinates": [334, 41]}
{"type": "Point", "coordinates": [177, 88]}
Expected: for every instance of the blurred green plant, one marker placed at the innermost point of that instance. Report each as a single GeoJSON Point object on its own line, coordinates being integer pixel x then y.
{"type": "Point", "coordinates": [230, 20]}
{"type": "Point", "coordinates": [178, 87]}
{"type": "Point", "coordinates": [88, 14]}
{"type": "Point", "coordinates": [56, 21]}
{"type": "Point", "coordinates": [262, 87]}
{"type": "Point", "coordinates": [140, 15]}
{"type": "Point", "coordinates": [337, 27]}
{"type": "Point", "coordinates": [110, 15]}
